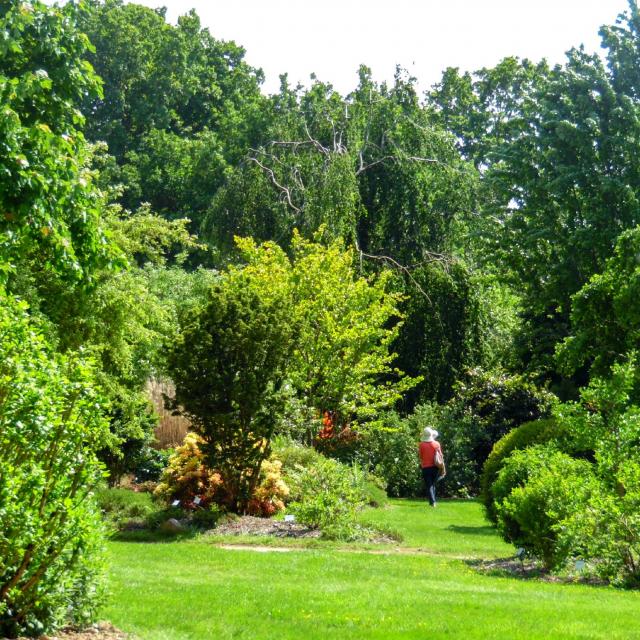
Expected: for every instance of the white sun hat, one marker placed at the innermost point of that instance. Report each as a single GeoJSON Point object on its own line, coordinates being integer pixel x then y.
{"type": "Point", "coordinates": [429, 435]}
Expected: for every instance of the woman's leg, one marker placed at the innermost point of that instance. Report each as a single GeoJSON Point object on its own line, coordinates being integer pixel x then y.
{"type": "Point", "coordinates": [430, 476]}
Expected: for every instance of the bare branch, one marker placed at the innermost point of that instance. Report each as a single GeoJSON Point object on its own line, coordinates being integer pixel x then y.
{"type": "Point", "coordinates": [315, 142]}
{"type": "Point", "coordinates": [364, 167]}
{"type": "Point", "coordinates": [283, 190]}
{"type": "Point", "coordinates": [400, 267]}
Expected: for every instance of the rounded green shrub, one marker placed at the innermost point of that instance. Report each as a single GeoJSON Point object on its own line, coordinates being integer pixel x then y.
{"type": "Point", "coordinates": [526, 435]}
{"type": "Point", "coordinates": [536, 490]}
{"type": "Point", "coordinates": [51, 426]}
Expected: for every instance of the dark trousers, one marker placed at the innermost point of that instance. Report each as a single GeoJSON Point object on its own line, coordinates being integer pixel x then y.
{"type": "Point", "coordinates": [430, 477]}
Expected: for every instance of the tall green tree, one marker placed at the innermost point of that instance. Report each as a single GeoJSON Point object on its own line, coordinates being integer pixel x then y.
{"type": "Point", "coordinates": [178, 106]}
{"type": "Point", "coordinates": [49, 207]}
{"type": "Point", "coordinates": [374, 170]}
{"type": "Point", "coordinates": [559, 175]}
{"type": "Point", "coordinates": [605, 317]}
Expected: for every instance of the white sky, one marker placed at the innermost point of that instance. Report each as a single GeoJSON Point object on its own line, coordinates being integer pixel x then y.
{"type": "Point", "coordinates": [332, 38]}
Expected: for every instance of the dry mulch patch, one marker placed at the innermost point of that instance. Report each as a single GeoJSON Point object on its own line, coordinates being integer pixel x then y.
{"type": "Point", "coordinates": [528, 570]}
{"type": "Point", "coordinates": [252, 526]}
{"type": "Point", "coordinates": [99, 631]}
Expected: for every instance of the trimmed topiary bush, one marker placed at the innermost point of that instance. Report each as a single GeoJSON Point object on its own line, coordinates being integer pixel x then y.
{"type": "Point", "coordinates": [51, 426]}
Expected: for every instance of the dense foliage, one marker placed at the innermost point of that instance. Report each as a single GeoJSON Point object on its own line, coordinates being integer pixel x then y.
{"type": "Point", "coordinates": [535, 490]}
{"type": "Point", "coordinates": [529, 434]}
{"type": "Point", "coordinates": [51, 426]}
{"type": "Point", "coordinates": [559, 507]}
{"type": "Point", "coordinates": [304, 331]}
{"type": "Point", "coordinates": [228, 365]}
{"type": "Point", "coordinates": [404, 263]}
{"type": "Point", "coordinates": [485, 408]}
{"type": "Point", "coordinates": [50, 210]}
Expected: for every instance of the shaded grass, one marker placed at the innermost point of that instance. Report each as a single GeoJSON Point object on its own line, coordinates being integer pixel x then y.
{"type": "Point", "coordinates": [193, 590]}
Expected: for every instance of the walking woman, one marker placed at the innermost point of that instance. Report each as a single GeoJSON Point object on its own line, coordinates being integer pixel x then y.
{"type": "Point", "coordinates": [431, 461]}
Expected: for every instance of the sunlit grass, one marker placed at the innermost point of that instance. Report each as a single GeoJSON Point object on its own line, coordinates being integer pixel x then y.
{"type": "Point", "coordinates": [195, 590]}
{"type": "Point", "coordinates": [454, 527]}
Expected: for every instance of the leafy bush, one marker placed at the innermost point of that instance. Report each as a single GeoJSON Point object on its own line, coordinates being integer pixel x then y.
{"type": "Point", "coordinates": [151, 463]}
{"type": "Point", "coordinates": [375, 491]}
{"type": "Point", "coordinates": [486, 407]}
{"type": "Point", "coordinates": [528, 434]}
{"type": "Point", "coordinates": [328, 496]}
{"type": "Point", "coordinates": [206, 518]}
{"type": "Point", "coordinates": [391, 453]}
{"type": "Point", "coordinates": [536, 490]}
{"type": "Point", "coordinates": [120, 506]}
{"type": "Point", "coordinates": [292, 454]}
{"type": "Point", "coordinates": [187, 477]}
{"type": "Point", "coordinates": [51, 426]}
{"type": "Point", "coordinates": [270, 492]}
{"type": "Point", "coordinates": [156, 518]}
{"type": "Point", "coordinates": [607, 530]}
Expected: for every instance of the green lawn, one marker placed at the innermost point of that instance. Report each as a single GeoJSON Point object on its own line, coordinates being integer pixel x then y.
{"type": "Point", "coordinates": [195, 590]}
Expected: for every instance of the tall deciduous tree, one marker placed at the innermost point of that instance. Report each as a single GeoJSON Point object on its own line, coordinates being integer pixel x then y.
{"type": "Point", "coordinates": [605, 320]}
{"type": "Point", "coordinates": [558, 151]}
{"type": "Point", "coordinates": [178, 106]}
{"type": "Point", "coordinates": [49, 210]}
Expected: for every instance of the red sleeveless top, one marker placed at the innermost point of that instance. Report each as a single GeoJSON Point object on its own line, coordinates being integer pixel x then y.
{"type": "Point", "coordinates": [427, 452]}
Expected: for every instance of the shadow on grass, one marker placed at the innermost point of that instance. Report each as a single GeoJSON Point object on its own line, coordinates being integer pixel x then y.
{"type": "Point", "coordinates": [484, 530]}
{"type": "Point", "coordinates": [147, 535]}
{"type": "Point", "coordinates": [508, 568]}
{"type": "Point", "coordinates": [529, 570]}
{"type": "Point", "coordinates": [422, 502]}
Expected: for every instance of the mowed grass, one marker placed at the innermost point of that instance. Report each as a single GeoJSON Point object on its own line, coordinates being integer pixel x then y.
{"type": "Point", "coordinates": [454, 527]}
{"type": "Point", "coordinates": [195, 590]}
